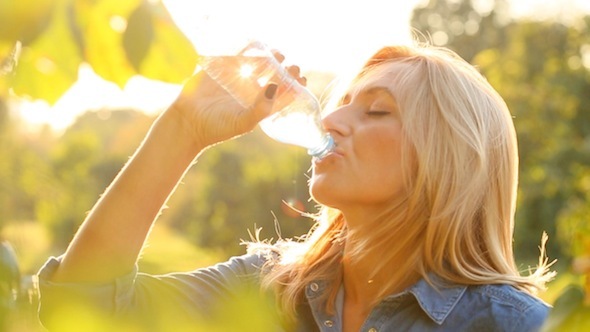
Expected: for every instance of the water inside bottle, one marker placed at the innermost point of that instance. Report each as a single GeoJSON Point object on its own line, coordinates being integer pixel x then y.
{"type": "Point", "coordinates": [242, 76]}
{"type": "Point", "coordinates": [296, 128]}
{"type": "Point", "coordinates": [296, 112]}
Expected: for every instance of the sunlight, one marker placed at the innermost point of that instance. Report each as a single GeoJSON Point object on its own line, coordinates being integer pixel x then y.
{"type": "Point", "coordinates": [325, 36]}
{"type": "Point", "coordinates": [325, 42]}
{"type": "Point", "coordinates": [318, 36]}
{"type": "Point", "coordinates": [93, 93]}
{"type": "Point", "coordinates": [246, 70]}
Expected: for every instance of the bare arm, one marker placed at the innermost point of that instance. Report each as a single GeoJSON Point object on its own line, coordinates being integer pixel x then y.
{"type": "Point", "coordinates": [110, 239]}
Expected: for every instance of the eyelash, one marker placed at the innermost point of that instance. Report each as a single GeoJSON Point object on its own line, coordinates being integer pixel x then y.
{"type": "Point", "coordinates": [378, 113]}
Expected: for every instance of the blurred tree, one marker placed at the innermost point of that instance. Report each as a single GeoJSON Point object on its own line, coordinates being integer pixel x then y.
{"type": "Point", "coordinates": [541, 70]}
{"type": "Point", "coordinates": [23, 169]}
{"type": "Point", "coordinates": [117, 38]}
{"type": "Point", "coordinates": [211, 210]}
{"type": "Point", "coordinates": [540, 73]}
{"type": "Point", "coordinates": [83, 162]}
{"type": "Point", "coordinates": [465, 26]}
{"type": "Point", "coordinates": [208, 209]}
{"type": "Point", "coordinates": [10, 276]}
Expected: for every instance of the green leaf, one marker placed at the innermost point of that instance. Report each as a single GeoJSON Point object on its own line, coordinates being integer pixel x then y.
{"type": "Point", "coordinates": [48, 67]}
{"type": "Point", "coordinates": [139, 34]}
{"type": "Point", "coordinates": [102, 25]}
{"type": "Point", "coordinates": [171, 57]}
{"type": "Point", "coordinates": [24, 20]}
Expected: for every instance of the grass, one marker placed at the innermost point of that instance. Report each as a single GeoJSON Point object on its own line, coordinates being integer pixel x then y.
{"type": "Point", "coordinates": [168, 251]}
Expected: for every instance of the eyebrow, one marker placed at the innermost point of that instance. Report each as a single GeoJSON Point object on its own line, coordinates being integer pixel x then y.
{"type": "Point", "coordinates": [377, 89]}
{"type": "Point", "coordinates": [370, 91]}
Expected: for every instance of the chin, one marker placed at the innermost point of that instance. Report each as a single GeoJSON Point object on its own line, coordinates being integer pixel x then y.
{"type": "Point", "coordinates": [322, 193]}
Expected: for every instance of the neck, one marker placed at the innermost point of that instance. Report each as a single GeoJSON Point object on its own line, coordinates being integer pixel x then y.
{"type": "Point", "coordinates": [368, 279]}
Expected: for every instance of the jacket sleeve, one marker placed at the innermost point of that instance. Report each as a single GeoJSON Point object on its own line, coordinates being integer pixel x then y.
{"type": "Point", "coordinates": [176, 301]}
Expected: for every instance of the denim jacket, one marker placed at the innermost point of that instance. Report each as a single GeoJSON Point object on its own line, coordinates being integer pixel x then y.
{"type": "Point", "coordinates": [452, 308]}
{"type": "Point", "coordinates": [192, 297]}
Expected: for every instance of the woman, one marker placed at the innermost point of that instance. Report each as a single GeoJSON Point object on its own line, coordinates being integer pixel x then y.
{"type": "Point", "coordinates": [414, 232]}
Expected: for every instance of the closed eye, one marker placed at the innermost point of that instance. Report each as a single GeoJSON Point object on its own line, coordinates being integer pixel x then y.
{"type": "Point", "coordinates": [378, 113]}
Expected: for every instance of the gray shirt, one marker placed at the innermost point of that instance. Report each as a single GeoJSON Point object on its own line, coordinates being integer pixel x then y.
{"type": "Point", "coordinates": [226, 297]}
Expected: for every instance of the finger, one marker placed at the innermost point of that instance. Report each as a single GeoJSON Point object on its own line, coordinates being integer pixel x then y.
{"type": "Point", "coordinates": [294, 71]}
{"type": "Point", "coordinates": [262, 107]}
{"type": "Point", "coordinates": [302, 80]}
{"type": "Point", "coordinates": [278, 55]}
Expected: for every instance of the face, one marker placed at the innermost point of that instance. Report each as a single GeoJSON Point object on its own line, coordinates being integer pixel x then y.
{"type": "Point", "coordinates": [364, 172]}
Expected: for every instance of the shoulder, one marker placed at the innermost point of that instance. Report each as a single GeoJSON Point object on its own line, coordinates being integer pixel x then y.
{"type": "Point", "coordinates": [510, 297]}
{"type": "Point", "coordinates": [236, 267]}
{"type": "Point", "coordinates": [505, 306]}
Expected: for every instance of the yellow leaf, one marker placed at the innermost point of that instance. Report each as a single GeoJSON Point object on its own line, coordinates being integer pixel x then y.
{"type": "Point", "coordinates": [171, 57]}
{"type": "Point", "coordinates": [24, 20]}
{"type": "Point", "coordinates": [139, 34]}
{"type": "Point", "coordinates": [48, 67]}
{"type": "Point", "coordinates": [101, 25]}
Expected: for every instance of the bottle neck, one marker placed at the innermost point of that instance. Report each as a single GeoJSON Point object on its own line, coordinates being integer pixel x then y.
{"type": "Point", "coordinates": [325, 147]}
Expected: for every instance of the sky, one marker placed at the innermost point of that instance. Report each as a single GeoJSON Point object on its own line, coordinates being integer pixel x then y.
{"type": "Point", "coordinates": [317, 35]}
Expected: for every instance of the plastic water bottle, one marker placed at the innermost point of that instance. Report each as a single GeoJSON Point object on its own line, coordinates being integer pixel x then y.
{"type": "Point", "coordinates": [295, 117]}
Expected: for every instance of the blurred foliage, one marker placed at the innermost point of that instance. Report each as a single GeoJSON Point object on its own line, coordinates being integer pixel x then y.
{"type": "Point", "coordinates": [50, 182]}
{"type": "Point", "coordinates": [9, 282]}
{"type": "Point", "coordinates": [466, 26]}
{"type": "Point", "coordinates": [208, 207]}
{"type": "Point", "coordinates": [244, 310]}
{"type": "Point", "coordinates": [117, 38]}
{"type": "Point", "coordinates": [542, 69]}
{"type": "Point", "coordinates": [55, 181]}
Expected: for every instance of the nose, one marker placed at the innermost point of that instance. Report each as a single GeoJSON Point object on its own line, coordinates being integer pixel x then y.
{"type": "Point", "coordinates": [337, 121]}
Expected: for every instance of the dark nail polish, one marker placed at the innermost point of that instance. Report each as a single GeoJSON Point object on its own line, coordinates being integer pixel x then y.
{"type": "Point", "coordinates": [271, 90]}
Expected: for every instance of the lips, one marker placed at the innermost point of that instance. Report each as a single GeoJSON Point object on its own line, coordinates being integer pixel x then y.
{"type": "Point", "coordinates": [335, 153]}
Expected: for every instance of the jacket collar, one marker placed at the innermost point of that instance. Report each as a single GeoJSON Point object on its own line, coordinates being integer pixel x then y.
{"type": "Point", "coordinates": [437, 298]}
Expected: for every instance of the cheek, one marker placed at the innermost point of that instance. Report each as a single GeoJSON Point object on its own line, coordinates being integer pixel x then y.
{"type": "Point", "coordinates": [371, 173]}
{"type": "Point", "coordinates": [380, 151]}
{"type": "Point", "coordinates": [380, 183]}
{"type": "Point", "coordinates": [382, 167]}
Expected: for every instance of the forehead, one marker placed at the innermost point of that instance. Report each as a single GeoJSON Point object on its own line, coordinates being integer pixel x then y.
{"type": "Point", "coordinates": [382, 78]}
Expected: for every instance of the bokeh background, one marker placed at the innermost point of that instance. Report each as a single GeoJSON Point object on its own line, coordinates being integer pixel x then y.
{"type": "Point", "coordinates": [82, 80]}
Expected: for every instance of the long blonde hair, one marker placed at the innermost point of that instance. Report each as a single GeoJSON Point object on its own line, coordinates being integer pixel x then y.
{"type": "Point", "coordinates": [461, 174]}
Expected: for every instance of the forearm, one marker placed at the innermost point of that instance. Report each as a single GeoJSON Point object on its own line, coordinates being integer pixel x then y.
{"type": "Point", "coordinates": [110, 239]}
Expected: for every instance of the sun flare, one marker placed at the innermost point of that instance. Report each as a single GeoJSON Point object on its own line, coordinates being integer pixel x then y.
{"type": "Point", "coordinates": [320, 36]}
{"type": "Point", "coordinates": [246, 70]}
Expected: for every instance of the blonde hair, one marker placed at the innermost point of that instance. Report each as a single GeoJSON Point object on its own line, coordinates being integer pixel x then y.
{"type": "Point", "coordinates": [461, 172]}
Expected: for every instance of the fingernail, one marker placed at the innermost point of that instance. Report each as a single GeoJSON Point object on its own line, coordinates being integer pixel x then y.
{"type": "Point", "coordinates": [271, 90]}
